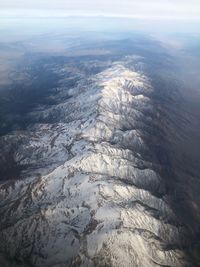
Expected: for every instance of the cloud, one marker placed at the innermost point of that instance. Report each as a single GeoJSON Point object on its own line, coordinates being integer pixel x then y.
{"type": "Point", "coordinates": [157, 9]}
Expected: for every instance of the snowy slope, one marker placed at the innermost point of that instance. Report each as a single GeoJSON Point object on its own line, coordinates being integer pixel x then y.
{"type": "Point", "coordinates": [88, 195]}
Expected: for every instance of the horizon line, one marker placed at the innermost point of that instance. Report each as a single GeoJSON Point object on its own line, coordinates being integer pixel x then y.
{"type": "Point", "coordinates": [48, 14]}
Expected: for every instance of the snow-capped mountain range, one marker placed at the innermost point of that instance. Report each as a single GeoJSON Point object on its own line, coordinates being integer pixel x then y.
{"type": "Point", "coordinates": [90, 190]}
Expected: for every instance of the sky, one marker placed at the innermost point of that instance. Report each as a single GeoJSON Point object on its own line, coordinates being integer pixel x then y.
{"type": "Point", "coordinates": [142, 9]}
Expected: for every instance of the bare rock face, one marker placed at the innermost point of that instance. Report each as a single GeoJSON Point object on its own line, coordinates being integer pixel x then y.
{"type": "Point", "coordinates": [90, 191]}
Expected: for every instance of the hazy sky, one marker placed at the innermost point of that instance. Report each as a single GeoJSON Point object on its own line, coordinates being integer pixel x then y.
{"type": "Point", "coordinates": [150, 9]}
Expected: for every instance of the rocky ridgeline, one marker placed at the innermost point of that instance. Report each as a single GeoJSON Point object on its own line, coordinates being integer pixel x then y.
{"type": "Point", "coordinates": [88, 194]}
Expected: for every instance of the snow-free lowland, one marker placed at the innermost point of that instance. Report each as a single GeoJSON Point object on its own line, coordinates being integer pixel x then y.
{"type": "Point", "coordinates": [88, 195]}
